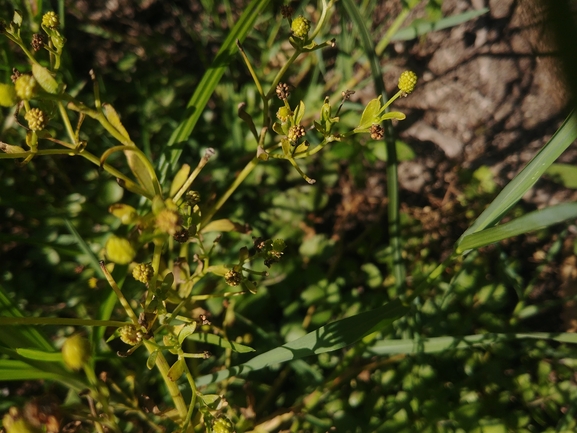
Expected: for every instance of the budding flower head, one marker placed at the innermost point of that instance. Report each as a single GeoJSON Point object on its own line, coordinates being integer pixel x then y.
{"type": "Point", "coordinates": [377, 132]}
{"type": "Point", "coordinates": [76, 352]}
{"type": "Point", "coordinates": [50, 20]}
{"type": "Point", "coordinates": [295, 132]}
{"type": "Point", "coordinates": [36, 119]}
{"type": "Point", "coordinates": [119, 250]}
{"type": "Point", "coordinates": [222, 425]}
{"type": "Point", "coordinates": [143, 272]}
{"type": "Point", "coordinates": [233, 278]}
{"type": "Point", "coordinates": [25, 86]}
{"type": "Point", "coordinates": [407, 82]}
{"type": "Point", "coordinates": [192, 198]}
{"type": "Point", "coordinates": [38, 41]}
{"type": "Point", "coordinates": [300, 27]}
{"type": "Point", "coordinates": [130, 335]}
{"type": "Point", "coordinates": [283, 114]}
{"type": "Point", "coordinates": [168, 221]}
{"type": "Point", "coordinates": [282, 91]}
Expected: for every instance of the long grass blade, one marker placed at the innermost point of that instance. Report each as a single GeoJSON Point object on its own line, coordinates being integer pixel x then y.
{"type": "Point", "coordinates": [333, 336]}
{"type": "Point", "coordinates": [532, 221]}
{"type": "Point", "coordinates": [399, 270]}
{"type": "Point", "coordinates": [440, 344]}
{"type": "Point", "coordinates": [208, 83]}
{"type": "Point", "coordinates": [419, 27]}
{"type": "Point", "coordinates": [525, 180]}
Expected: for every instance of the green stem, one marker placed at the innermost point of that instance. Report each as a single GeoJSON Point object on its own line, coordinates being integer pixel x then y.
{"type": "Point", "coordinates": [232, 188]}
{"type": "Point", "coordinates": [129, 311]}
{"type": "Point", "coordinates": [193, 175]}
{"type": "Point", "coordinates": [173, 390]}
{"type": "Point", "coordinates": [280, 73]}
{"type": "Point", "coordinates": [67, 124]}
{"type": "Point", "coordinates": [34, 321]}
{"type": "Point", "coordinates": [391, 31]}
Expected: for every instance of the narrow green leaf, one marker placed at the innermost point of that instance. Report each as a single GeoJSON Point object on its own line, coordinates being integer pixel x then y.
{"type": "Point", "coordinates": [525, 180]}
{"type": "Point", "coordinates": [333, 336]}
{"type": "Point", "coordinates": [21, 336]}
{"type": "Point", "coordinates": [220, 342]}
{"type": "Point", "coordinates": [18, 370]}
{"type": "Point", "coordinates": [439, 344]}
{"type": "Point", "coordinates": [566, 174]}
{"type": "Point", "coordinates": [176, 370]}
{"type": "Point", "coordinates": [420, 27]}
{"type": "Point", "coordinates": [532, 221]}
{"type": "Point", "coordinates": [39, 355]}
{"type": "Point", "coordinates": [369, 115]}
{"type": "Point", "coordinates": [186, 331]}
{"type": "Point", "coordinates": [151, 361]}
{"type": "Point", "coordinates": [208, 83]}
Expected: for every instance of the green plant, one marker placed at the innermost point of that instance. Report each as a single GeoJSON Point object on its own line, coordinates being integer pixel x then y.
{"type": "Point", "coordinates": [172, 265]}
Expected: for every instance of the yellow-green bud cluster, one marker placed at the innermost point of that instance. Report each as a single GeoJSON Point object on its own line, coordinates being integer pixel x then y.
{"type": "Point", "coordinates": [295, 132]}
{"type": "Point", "coordinates": [76, 352]}
{"type": "Point", "coordinates": [192, 198]}
{"type": "Point", "coordinates": [233, 278]}
{"type": "Point", "coordinates": [168, 221]}
{"type": "Point", "coordinates": [300, 27]}
{"type": "Point", "coordinates": [407, 82]}
{"type": "Point", "coordinates": [283, 114]}
{"type": "Point", "coordinates": [25, 87]}
{"type": "Point", "coordinates": [50, 20]}
{"type": "Point", "coordinates": [36, 119]}
{"type": "Point", "coordinates": [130, 335]}
{"type": "Point", "coordinates": [143, 272]}
{"type": "Point", "coordinates": [223, 425]}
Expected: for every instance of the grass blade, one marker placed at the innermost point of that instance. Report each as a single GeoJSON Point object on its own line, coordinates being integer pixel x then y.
{"type": "Point", "coordinates": [392, 161]}
{"type": "Point", "coordinates": [515, 189]}
{"type": "Point", "coordinates": [419, 27]}
{"type": "Point", "coordinates": [333, 336]}
{"type": "Point", "coordinates": [439, 344]}
{"type": "Point", "coordinates": [532, 221]}
{"type": "Point", "coordinates": [208, 83]}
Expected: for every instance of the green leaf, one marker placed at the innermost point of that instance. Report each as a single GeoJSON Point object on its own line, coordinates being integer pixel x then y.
{"type": "Point", "coordinates": [186, 331]}
{"type": "Point", "coordinates": [532, 221]}
{"type": "Point", "coordinates": [299, 113]}
{"type": "Point", "coordinates": [44, 78]}
{"type": "Point", "coordinates": [566, 174]}
{"type": "Point", "coordinates": [369, 116]}
{"type": "Point", "coordinates": [18, 370]}
{"type": "Point", "coordinates": [333, 336]}
{"type": "Point", "coordinates": [439, 344]}
{"type": "Point", "coordinates": [420, 27]}
{"type": "Point", "coordinates": [525, 180]}
{"type": "Point", "coordinates": [216, 340]}
{"type": "Point", "coordinates": [209, 81]}
{"type": "Point", "coordinates": [179, 179]}
{"type": "Point", "coordinates": [176, 370]}
{"type": "Point", "coordinates": [39, 355]}
{"type": "Point", "coordinates": [151, 361]}
{"type": "Point", "coordinates": [223, 225]}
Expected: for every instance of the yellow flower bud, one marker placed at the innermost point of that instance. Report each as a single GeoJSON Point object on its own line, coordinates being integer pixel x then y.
{"type": "Point", "coordinates": [50, 20]}
{"type": "Point", "coordinates": [25, 87]}
{"type": "Point", "coordinates": [407, 82]}
{"type": "Point", "coordinates": [36, 119]}
{"type": "Point", "coordinates": [300, 27]}
{"type": "Point", "coordinates": [76, 352]}
{"type": "Point", "coordinates": [119, 250]}
{"type": "Point", "coordinates": [7, 95]}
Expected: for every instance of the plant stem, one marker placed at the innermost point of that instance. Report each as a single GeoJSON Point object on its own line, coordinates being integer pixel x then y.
{"type": "Point", "coordinates": [232, 188]}
{"type": "Point", "coordinates": [32, 321]}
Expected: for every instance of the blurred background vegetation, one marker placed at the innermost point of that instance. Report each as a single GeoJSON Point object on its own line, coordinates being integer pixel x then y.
{"type": "Point", "coordinates": [149, 56]}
